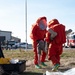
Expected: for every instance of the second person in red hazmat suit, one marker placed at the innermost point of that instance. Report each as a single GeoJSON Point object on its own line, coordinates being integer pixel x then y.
{"type": "Point", "coordinates": [55, 41]}
{"type": "Point", "coordinates": [37, 35]}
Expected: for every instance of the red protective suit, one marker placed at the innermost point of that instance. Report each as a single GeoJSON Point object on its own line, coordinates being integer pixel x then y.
{"type": "Point", "coordinates": [55, 46]}
{"type": "Point", "coordinates": [38, 34]}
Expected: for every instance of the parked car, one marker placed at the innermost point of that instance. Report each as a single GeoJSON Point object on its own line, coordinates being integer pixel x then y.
{"type": "Point", "coordinates": [20, 45]}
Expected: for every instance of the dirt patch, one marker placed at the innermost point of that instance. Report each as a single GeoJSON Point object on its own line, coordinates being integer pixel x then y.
{"type": "Point", "coordinates": [29, 63]}
{"type": "Point", "coordinates": [67, 62]}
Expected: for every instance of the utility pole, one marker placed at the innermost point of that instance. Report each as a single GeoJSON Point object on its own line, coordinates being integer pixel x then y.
{"type": "Point", "coordinates": [26, 22]}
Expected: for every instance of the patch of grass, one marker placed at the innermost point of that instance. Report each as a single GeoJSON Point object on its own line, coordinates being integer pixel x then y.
{"type": "Point", "coordinates": [29, 55]}
{"type": "Point", "coordinates": [26, 55]}
{"type": "Point", "coordinates": [68, 54]}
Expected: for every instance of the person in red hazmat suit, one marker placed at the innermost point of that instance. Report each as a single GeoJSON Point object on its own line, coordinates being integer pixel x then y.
{"type": "Point", "coordinates": [55, 38]}
{"type": "Point", "coordinates": [37, 35]}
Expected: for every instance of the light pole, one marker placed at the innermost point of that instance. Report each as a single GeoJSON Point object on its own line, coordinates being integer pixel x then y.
{"type": "Point", "coordinates": [26, 22]}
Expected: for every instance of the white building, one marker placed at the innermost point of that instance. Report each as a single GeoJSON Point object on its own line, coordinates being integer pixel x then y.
{"type": "Point", "coordinates": [5, 35]}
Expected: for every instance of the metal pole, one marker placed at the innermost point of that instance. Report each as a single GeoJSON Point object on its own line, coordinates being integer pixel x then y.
{"type": "Point", "coordinates": [26, 22]}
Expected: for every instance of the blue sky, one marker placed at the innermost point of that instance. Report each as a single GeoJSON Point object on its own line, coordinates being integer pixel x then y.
{"type": "Point", "coordinates": [12, 14]}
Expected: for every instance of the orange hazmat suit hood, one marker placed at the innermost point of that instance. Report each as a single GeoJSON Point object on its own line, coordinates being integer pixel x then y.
{"type": "Point", "coordinates": [53, 22]}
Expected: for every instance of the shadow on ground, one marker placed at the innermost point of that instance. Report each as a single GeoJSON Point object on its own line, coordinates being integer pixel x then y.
{"type": "Point", "coordinates": [24, 73]}
{"type": "Point", "coordinates": [31, 73]}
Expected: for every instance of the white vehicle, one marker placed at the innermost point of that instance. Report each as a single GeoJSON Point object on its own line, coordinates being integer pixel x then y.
{"type": "Point", "coordinates": [21, 45]}
{"type": "Point", "coordinates": [70, 42]}
{"type": "Point", "coordinates": [66, 44]}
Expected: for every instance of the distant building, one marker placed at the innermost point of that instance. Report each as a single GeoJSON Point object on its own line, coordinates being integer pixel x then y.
{"type": "Point", "coordinates": [15, 39]}
{"type": "Point", "coordinates": [7, 36]}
